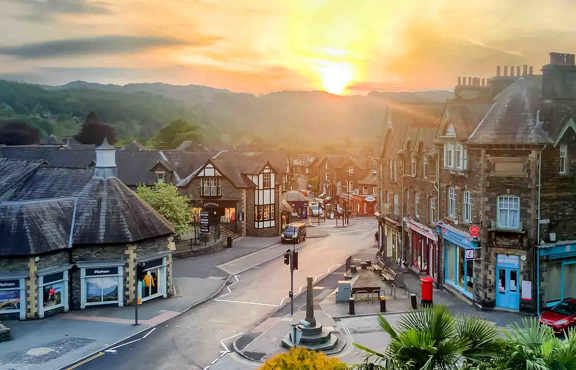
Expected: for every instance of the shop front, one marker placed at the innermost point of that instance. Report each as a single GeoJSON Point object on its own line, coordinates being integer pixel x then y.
{"type": "Point", "coordinates": [460, 251]}
{"type": "Point", "coordinates": [102, 284]}
{"type": "Point", "coordinates": [423, 251]}
{"type": "Point", "coordinates": [508, 282]}
{"type": "Point", "coordinates": [557, 273]}
{"type": "Point", "coordinates": [392, 240]}
{"type": "Point", "coordinates": [13, 296]}
{"type": "Point", "coordinates": [154, 281]}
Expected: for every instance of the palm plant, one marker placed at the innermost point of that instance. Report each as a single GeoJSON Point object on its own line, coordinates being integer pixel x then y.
{"type": "Point", "coordinates": [432, 339]}
{"type": "Point", "coordinates": [532, 346]}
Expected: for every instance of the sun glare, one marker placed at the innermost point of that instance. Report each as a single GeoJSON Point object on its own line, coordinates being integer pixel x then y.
{"type": "Point", "coordinates": [336, 77]}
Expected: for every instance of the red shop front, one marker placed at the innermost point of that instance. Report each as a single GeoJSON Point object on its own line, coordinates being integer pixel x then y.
{"type": "Point", "coordinates": [423, 252]}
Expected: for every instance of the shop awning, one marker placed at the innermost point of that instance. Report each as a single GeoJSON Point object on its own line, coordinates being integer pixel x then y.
{"type": "Point", "coordinates": [421, 229]}
{"type": "Point", "coordinates": [557, 250]}
{"type": "Point", "coordinates": [456, 236]}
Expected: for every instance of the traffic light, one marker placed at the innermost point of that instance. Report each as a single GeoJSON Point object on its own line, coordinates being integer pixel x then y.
{"type": "Point", "coordinates": [287, 257]}
{"type": "Point", "coordinates": [295, 260]}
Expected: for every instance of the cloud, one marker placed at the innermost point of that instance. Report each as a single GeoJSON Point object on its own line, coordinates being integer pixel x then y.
{"type": "Point", "coordinates": [42, 9]}
{"type": "Point", "coordinates": [98, 45]}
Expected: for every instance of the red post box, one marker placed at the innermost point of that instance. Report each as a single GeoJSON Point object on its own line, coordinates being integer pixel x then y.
{"type": "Point", "coordinates": [426, 287]}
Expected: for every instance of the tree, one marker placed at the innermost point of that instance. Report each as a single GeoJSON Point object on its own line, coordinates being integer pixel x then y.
{"type": "Point", "coordinates": [530, 345]}
{"type": "Point", "coordinates": [18, 133]}
{"type": "Point", "coordinates": [166, 199]}
{"type": "Point", "coordinates": [299, 358]}
{"type": "Point", "coordinates": [93, 131]}
{"type": "Point", "coordinates": [433, 339]}
{"type": "Point", "coordinates": [173, 134]}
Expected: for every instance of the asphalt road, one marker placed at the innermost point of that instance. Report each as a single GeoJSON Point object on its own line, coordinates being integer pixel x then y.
{"type": "Point", "coordinates": [198, 338]}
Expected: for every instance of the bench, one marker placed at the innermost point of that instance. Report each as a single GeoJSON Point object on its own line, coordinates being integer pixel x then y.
{"type": "Point", "coordinates": [390, 277]}
{"type": "Point", "coordinates": [367, 290]}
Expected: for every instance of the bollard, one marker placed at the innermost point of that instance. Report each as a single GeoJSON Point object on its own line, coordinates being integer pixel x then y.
{"type": "Point", "coordinates": [382, 303]}
{"type": "Point", "coordinates": [353, 269]}
{"type": "Point", "coordinates": [351, 310]}
{"type": "Point", "coordinates": [413, 301]}
{"type": "Point", "coordinates": [229, 242]}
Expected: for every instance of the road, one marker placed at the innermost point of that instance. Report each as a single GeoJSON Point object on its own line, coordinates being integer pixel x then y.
{"type": "Point", "coordinates": [197, 339]}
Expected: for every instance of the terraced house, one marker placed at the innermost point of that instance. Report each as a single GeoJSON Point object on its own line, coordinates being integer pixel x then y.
{"type": "Point", "coordinates": [506, 188]}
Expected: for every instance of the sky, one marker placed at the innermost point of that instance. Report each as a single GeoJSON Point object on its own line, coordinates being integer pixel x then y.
{"type": "Point", "coordinates": [259, 46]}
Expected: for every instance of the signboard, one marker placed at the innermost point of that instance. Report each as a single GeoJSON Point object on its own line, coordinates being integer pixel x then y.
{"type": "Point", "coordinates": [204, 226]}
{"type": "Point", "coordinates": [469, 254]}
{"type": "Point", "coordinates": [9, 284]}
{"type": "Point", "coordinates": [474, 231]}
{"type": "Point", "coordinates": [102, 271]}
{"type": "Point", "coordinates": [149, 264]}
{"type": "Point", "coordinates": [508, 260]}
{"type": "Point", "coordinates": [526, 290]}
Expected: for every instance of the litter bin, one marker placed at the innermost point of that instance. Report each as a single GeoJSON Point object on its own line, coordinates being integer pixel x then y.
{"type": "Point", "coordinates": [426, 287]}
{"type": "Point", "coordinates": [229, 242]}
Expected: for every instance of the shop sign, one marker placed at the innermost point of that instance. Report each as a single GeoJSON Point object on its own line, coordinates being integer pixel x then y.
{"type": "Point", "coordinates": [102, 271]}
{"type": "Point", "coordinates": [469, 254]}
{"type": "Point", "coordinates": [9, 284]}
{"type": "Point", "coordinates": [474, 231]}
{"type": "Point", "coordinates": [526, 290]}
{"type": "Point", "coordinates": [508, 260]}
{"type": "Point", "coordinates": [204, 227]}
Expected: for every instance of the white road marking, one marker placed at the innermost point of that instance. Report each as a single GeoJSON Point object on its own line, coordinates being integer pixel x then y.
{"type": "Point", "coordinates": [114, 349]}
{"type": "Point", "coordinates": [224, 352]}
{"type": "Point", "coordinates": [247, 302]}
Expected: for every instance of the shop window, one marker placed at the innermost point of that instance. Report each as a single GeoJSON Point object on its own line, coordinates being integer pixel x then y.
{"type": "Point", "coordinates": [265, 215]}
{"type": "Point", "coordinates": [102, 285]}
{"type": "Point", "coordinates": [9, 296]}
{"type": "Point", "coordinates": [53, 291]}
{"type": "Point", "coordinates": [470, 276]}
{"type": "Point", "coordinates": [451, 263]}
{"type": "Point", "coordinates": [461, 268]}
{"type": "Point", "coordinates": [508, 216]}
{"type": "Point", "coordinates": [563, 159]}
{"type": "Point", "coordinates": [569, 280]}
{"type": "Point", "coordinates": [417, 205]}
{"type": "Point", "coordinates": [229, 216]}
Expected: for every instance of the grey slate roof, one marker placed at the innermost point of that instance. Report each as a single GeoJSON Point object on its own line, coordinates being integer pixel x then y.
{"type": "Point", "coordinates": [56, 155]}
{"type": "Point", "coordinates": [36, 227]}
{"type": "Point", "coordinates": [512, 118]}
{"type": "Point", "coordinates": [14, 173]}
{"type": "Point", "coordinates": [236, 165]}
{"type": "Point", "coordinates": [185, 163]}
{"type": "Point", "coordinates": [463, 116]}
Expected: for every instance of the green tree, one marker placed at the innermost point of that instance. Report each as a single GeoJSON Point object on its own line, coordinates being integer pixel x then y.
{"type": "Point", "coordinates": [532, 346]}
{"type": "Point", "coordinates": [431, 339]}
{"type": "Point", "coordinates": [299, 358]}
{"type": "Point", "coordinates": [166, 199]}
{"type": "Point", "coordinates": [173, 134]}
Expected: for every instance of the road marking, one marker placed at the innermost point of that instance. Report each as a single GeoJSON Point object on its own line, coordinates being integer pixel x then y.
{"type": "Point", "coordinates": [224, 352]}
{"type": "Point", "coordinates": [247, 302]}
{"type": "Point", "coordinates": [115, 348]}
{"type": "Point", "coordinates": [86, 360]}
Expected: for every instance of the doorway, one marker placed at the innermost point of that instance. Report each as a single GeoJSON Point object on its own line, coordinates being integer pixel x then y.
{"type": "Point", "coordinates": [507, 282]}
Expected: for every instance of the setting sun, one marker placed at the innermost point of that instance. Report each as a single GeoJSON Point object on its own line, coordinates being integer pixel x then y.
{"type": "Point", "coordinates": [336, 77]}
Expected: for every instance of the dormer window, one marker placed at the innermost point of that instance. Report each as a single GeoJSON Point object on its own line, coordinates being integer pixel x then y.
{"type": "Point", "coordinates": [450, 131]}
{"type": "Point", "coordinates": [161, 176]}
{"type": "Point", "coordinates": [563, 159]}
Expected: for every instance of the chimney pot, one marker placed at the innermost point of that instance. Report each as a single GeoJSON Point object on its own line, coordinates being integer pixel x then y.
{"type": "Point", "coordinates": [524, 70]}
{"type": "Point", "coordinates": [531, 70]}
{"type": "Point", "coordinates": [459, 81]}
{"type": "Point", "coordinates": [469, 81]}
{"type": "Point", "coordinates": [498, 71]}
{"type": "Point", "coordinates": [518, 71]}
{"type": "Point", "coordinates": [505, 71]}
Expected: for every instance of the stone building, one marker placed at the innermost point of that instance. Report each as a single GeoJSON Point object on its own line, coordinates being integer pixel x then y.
{"type": "Point", "coordinates": [71, 238]}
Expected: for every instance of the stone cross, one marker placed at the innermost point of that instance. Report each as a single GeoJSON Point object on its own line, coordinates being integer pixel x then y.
{"type": "Point", "coordinates": [310, 302]}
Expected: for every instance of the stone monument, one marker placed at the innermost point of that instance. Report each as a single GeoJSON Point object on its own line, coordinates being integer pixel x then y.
{"type": "Point", "coordinates": [308, 333]}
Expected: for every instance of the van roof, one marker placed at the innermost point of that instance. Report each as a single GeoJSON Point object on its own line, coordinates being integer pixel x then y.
{"type": "Point", "coordinates": [297, 224]}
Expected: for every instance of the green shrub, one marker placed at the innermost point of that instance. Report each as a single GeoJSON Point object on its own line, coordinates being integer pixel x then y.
{"type": "Point", "coordinates": [300, 358]}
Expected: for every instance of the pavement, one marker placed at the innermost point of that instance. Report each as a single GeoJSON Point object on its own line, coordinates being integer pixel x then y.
{"type": "Point", "coordinates": [64, 339]}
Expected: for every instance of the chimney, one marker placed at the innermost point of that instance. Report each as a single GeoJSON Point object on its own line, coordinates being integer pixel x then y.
{"type": "Point", "coordinates": [505, 71]}
{"type": "Point", "coordinates": [559, 77]}
{"type": "Point", "coordinates": [524, 70]}
{"type": "Point", "coordinates": [105, 160]}
{"type": "Point", "coordinates": [518, 71]}
{"type": "Point", "coordinates": [459, 81]}
{"type": "Point", "coordinates": [497, 71]}
{"type": "Point", "coordinates": [531, 70]}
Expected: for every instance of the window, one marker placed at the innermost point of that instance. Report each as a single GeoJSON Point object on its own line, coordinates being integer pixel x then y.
{"type": "Point", "coordinates": [53, 290]}
{"type": "Point", "coordinates": [264, 212]}
{"type": "Point", "coordinates": [391, 170]}
{"type": "Point", "coordinates": [467, 210]}
{"type": "Point", "coordinates": [458, 156]}
{"type": "Point", "coordinates": [464, 159]}
{"type": "Point", "coordinates": [160, 176]}
{"type": "Point", "coordinates": [416, 205]}
{"type": "Point", "coordinates": [508, 216]}
{"type": "Point", "coordinates": [396, 205]}
{"type": "Point", "coordinates": [350, 171]}
{"type": "Point", "coordinates": [266, 180]}
{"type": "Point", "coordinates": [432, 210]}
{"type": "Point", "coordinates": [210, 187]}
{"type": "Point", "coordinates": [563, 159]}
{"type": "Point", "coordinates": [413, 167]}
{"type": "Point", "coordinates": [448, 155]}
{"type": "Point", "coordinates": [452, 202]}
{"type": "Point", "coordinates": [425, 167]}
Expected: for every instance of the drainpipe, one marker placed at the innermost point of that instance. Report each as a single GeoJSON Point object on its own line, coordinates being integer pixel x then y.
{"type": "Point", "coordinates": [538, 234]}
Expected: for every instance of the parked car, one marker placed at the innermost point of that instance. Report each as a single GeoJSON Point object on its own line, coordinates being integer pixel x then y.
{"type": "Point", "coordinates": [294, 232]}
{"type": "Point", "coordinates": [316, 210]}
{"type": "Point", "coordinates": [561, 316]}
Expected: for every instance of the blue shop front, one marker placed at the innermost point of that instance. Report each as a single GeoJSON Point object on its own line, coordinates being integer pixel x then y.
{"type": "Point", "coordinates": [556, 273]}
{"type": "Point", "coordinates": [460, 250]}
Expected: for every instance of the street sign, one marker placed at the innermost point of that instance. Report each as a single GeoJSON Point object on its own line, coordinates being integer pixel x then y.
{"type": "Point", "coordinates": [474, 231]}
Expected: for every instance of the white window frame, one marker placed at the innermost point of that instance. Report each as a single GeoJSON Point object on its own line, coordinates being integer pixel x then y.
{"type": "Point", "coordinates": [457, 162]}
{"type": "Point", "coordinates": [563, 159]}
{"type": "Point", "coordinates": [425, 167]}
{"type": "Point", "coordinates": [464, 159]}
{"type": "Point", "coordinates": [451, 202]}
{"type": "Point", "coordinates": [509, 205]}
{"type": "Point", "coordinates": [416, 205]}
{"type": "Point", "coordinates": [448, 155]}
{"type": "Point", "coordinates": [467, 209]}
{"type": "Point", "coordinates": [432, 210]}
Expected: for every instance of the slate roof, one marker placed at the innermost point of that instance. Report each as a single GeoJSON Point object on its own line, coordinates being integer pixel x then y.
{"type": "Point", "coordinates": [135, 167]}
{"type": "Point", "coordinates": [107, 211]}
{"type": "Point", "coordinates": [463, 116]}
{"type": "Point", "coordinates": [513, 118]}
{"type": "Point", "coordinates": [294, 196]}
{"type": "Point", "coordinates": [36, 227]}
{"type": "Point", "coordinates": [421, 138]}
{"type": "Point", "coordinates": [236, 165]}
{"type": "Point", "coordinates": [186, 163]}
{"type": "Point", "coordinates": [56, 155]}
{"type": "Point", "coordinates": [14, 173]}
